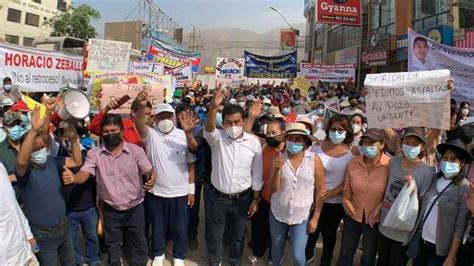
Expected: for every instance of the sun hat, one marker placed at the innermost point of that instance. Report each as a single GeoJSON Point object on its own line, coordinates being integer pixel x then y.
{"type": "Point", "coordinates": [457, 145]}
{"type": "Point", "coordinates": [297, 129]}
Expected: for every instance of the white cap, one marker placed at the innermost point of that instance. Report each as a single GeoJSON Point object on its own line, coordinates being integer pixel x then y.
{"type": "Point", "coordinates": [251, 98]}
{"type": "Point", "coordinates": [267, 101]}
{"type": "Point", "coordinates": [163, 107]}
{"type": "Point", "coordinates": [233, 101]}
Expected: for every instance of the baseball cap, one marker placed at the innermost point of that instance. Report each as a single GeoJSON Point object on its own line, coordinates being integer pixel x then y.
{"type": "Point", "coordinates": [10, 118]}
{"type": "Point", "coordinates": [374, 134]}
{"type": "Point", "coordinates": [163, 107]}
{"type": "Point", "coordinates": [20, 106]}
{"type": "Point", "coordinates": [7, 102]}
{"type": "Point", "coordinates": [416, 132]}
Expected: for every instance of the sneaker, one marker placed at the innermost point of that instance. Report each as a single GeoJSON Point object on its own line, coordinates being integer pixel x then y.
{"type": "Point", "coordinates": [178, 262]}
{"type": "Point", "coordinates": [193, 244]}
{"type": "Point", "coordinates": [158, 260]}
{"type": "Point", "coordinates": [310, 258]}
{"type": "Point", "coordinates": [252, 260]}
{"type": "Point", "coordinates": [270, 262]}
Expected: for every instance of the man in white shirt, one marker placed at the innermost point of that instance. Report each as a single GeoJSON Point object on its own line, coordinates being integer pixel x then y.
{"type": "Point", "coordinates": [236, 172]}
{"type": "Point", "coordinates": [172, 196]}
{"type": "Point", "coordinates": [421, 60]}
{"type": "Point", "coordinates": [16, 237]}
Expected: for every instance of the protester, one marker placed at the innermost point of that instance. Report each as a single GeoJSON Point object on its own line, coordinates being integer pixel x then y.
{"type": "Point", "coordinates": [364, 187]}
{"type": "Point", "coordinates": [39, 180]}
{"type": "Point", "coordinates": [9, 90]}
{"type": "Point", "coordinates": [464, 113]}
{"type": "Point", "coordinates": [335, 154]}
{"type": "Point", "coordinates": [293, 182]}
{"type": "Point", "coordinates": [130, 133]}
{"type": "Point", "coordinates": [391, 243]}
{"type": "Point", "coordinates": [260, 239]}
{"type": "Point", "coordinates": [17, 241]}
{"type": "Point", "coordinates": [354, 106]}
{"type": "Point", "coordinates": [465, 254]}
{"type": "Point", "coordinates": [173, 193]}
{"type": "Point", "coordinates": [443, 212]}
{"type": "Point", "coordinates": [357, 123]}
{"type": "Point", "coordinates": [118, 167]}
{"type": "Point", "coordinates": [234, 182]}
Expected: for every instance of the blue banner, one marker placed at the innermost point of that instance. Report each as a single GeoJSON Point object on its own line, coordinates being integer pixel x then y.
{"type": "Point", "coordinates": [282, 66]}
{"type": "Point", "coordinates": [173, 57]}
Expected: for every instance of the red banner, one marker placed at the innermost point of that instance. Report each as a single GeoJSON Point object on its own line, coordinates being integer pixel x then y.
{"type": "Point", "coordinates": [347, 12]}
{"type": "Point", "coordinates": [287, 39]}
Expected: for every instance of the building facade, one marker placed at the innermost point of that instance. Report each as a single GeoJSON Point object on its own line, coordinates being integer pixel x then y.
{"type": "Point", "coordinates": [382, 44]}
{"type": "Point", "coordinates": [22, 21]}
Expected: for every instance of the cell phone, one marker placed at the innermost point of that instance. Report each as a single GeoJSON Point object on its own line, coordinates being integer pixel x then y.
{"type": "Point", "coordinates": [123, 100]}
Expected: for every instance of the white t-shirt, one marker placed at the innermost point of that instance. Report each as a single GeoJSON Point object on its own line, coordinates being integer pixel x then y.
{"type": "Point", "coordinates": [169, 155]}
{"type": "Point", "coordinates": [430, 227]}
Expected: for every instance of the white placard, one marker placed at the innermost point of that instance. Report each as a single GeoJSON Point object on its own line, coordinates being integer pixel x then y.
{"type": "Point", "coordinates": [108, 56]}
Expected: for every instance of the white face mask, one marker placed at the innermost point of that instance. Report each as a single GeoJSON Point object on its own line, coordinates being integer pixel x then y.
{"type": "Point", "coordinates": [191, 93]}
{"type": "Point", "coordinates": [165, 126]}
{"type": "Point", "coordinates": [356, 128]}
{"type": "Point", "coordinates": [465, 111]}
{"type": "Point", "coordinates": [234, 132]}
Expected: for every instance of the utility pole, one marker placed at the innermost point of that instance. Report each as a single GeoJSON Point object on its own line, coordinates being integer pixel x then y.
{"type": "Point", "coordinates": [194, 40]}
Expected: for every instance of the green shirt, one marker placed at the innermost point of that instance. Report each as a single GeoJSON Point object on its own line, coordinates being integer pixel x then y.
{"type": "Point", "coordinates": [8, 156]}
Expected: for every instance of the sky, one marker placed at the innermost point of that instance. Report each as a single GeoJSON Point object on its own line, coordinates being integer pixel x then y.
{"type": "Point", "coordinates": [208, 14]}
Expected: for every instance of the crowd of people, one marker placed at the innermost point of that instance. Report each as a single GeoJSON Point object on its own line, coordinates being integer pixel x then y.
{"type": "Point", "coordinates": [284, 159]}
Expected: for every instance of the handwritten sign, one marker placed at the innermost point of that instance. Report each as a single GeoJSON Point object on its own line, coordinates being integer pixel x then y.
{"type": "Point", "coordinates": [116, 91]}
{"type": "Point", "coordinates": [398, 100]}
{"type": "Point", "coordinates": [147, 68]}
{"type": "Point", "coordinates": [108, 56]}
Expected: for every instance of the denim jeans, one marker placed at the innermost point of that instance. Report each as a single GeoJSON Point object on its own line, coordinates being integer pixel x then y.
{"type": "Point", "coordinates": [298, 239]}
{"type": "Point", "coordinates": [86, 220]}
{"type": "Point", "coordinates": [350, 240]}
{"type": "Point", "coordinates": [219, 212]}
{"type": "Point", "coordinates": [55, 245]}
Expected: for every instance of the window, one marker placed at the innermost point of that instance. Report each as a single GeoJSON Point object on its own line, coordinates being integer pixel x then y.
{"type": "Point", "coordinates": [12, 39]}
{"type": "Point", "coordinates": [32, 20]}
{"type": "Point", "coordinates": [28, 41]}
{"type": "Point", "coordinates": [14, 15]}
{"type": "Point", "coordinates": [383, 17]}
{"type": "Point", "coordinates": [37, 1]}
{"type": "Point", "coordinates": [425, 8]}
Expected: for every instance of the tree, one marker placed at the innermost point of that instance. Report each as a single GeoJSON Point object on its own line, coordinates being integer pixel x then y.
{"type": "Point", "coordinates": [75, 22]}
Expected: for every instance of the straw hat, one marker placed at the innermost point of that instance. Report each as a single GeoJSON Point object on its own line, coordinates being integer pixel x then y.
{"type": "Point", "coordinates": [305, 120]}
{"type": "Point", "coordinates": [297, 129]}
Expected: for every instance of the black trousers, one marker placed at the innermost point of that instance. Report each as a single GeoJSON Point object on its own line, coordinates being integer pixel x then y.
{"type": "Point", "coordinates": [261, 239]}
{"type": "Point", "coordinates": [331, 216]}
{"type": "Point", "coordinates": [194, 213]}
{"type": "Point", "coordinates": [130, 222]}
{"type": "Point", "coordinates": [390, 252]}
{"type": "Point", "coordinates": [350, 240]}
{"type": "Point", "coordinates": [466, 254]}
{"type": "Point", "coordinates": [219, 212]}
{"type": "Point", "coordinates": [427, 255]}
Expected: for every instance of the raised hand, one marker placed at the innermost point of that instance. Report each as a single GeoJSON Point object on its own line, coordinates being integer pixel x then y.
{"type": "Point", "coordinates": [112, 105]}
{"type": "Point", "coordinates": [256, 109]}
{"type": "Point", "coordinates": [71, 134]}
{"type": "Point", "coordinates": [217, 100]}
{"type": "Point", "coordinates": [36, 120]}
{"type": "Point", "coordinates": [142, 97]}
{"type": "Point", "coordinates": [186, 120]}
{"type": "Point", "coordinates": [68, 176]}
{"type": "Point", "coordinates": [50, 104]}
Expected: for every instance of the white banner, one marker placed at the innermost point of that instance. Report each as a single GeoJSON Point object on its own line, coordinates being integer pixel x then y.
{"type": "Point", "coordinates": [183, 76]}
{"type": "Point", "coordinates": [426, 54]}
{"type": "Point", "coordinates": [230, 71]}
{"type": "Point", "coordinates": [37, 70]}
{"type": "Point", "coordinates": [108, 56]}
{"type": "Point", "coordinates": [328, 73]}
{"type": "Point", "coordinates": [404, 99]}
{"type": "Point", "coordinates": [147, 68]}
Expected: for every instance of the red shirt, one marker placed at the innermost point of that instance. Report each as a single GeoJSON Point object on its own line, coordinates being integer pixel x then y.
{"type": "Point", "coordinates": [130, 132]}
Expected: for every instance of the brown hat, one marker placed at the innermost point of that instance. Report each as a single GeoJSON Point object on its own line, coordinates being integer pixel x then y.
{"type": "Point", "coordinates": [416, 132]}
{"type": "Point", "coordinates": [10, 118]}
{"type": "Point", "coordinates": [305, 120]}
{"type": "Point", "coordinates": [374, 134]}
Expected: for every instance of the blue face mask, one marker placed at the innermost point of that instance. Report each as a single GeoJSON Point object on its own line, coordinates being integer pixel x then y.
{"type": "Point", "coordinates": [219, 120]}
{"type": "Point", "coordinates": [39, 157]}
{"type": "Point", "coordinates": [336, 137]}
{"type": "Point", "coordinates": [16, 133]}
{"type": "Point", "coordinates": [411, 152]}
{"type": "Point", "coordinates": [370, 151]}
{"type": "Point", "coordinates": [25, 121]}
{"type": "Point", "coordinates": [294, 148]}
{"type": "Point", "coordinates": [285, 111]}
{"type": "Point", "coordinates": [449, 169]}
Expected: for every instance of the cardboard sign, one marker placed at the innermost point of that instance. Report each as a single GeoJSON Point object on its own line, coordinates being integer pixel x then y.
{"type": "Point", "coordinates": [117, 91]}
{"type": "Point", "coordinates": [147, 68]}
{"type": "Point", "coordinates": [399, 100]}
{"type": "Point", "coordinates": [108, 56]}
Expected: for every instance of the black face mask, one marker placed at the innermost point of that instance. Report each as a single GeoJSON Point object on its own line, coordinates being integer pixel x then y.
{"type": "Point", "coordinates": [112, 140]}
{"type": "Point", "coordinates": [272, 142]}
